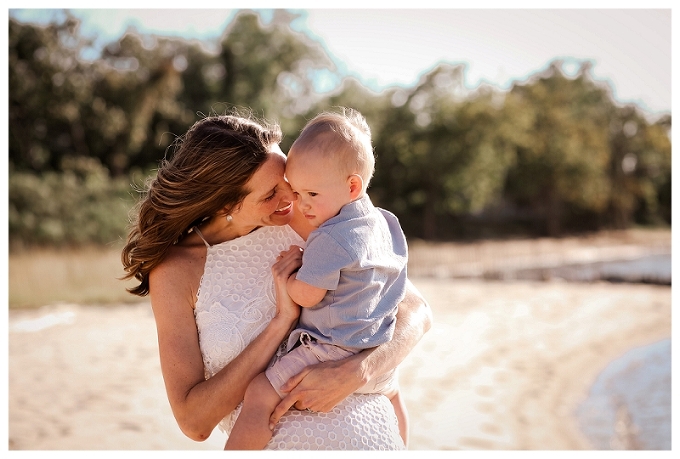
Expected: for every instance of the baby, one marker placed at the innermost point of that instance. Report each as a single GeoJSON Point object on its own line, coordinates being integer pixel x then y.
{"type": "Point", "coordinates": [353, 271]}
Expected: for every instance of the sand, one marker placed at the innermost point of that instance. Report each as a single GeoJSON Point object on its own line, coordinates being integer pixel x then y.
{"type": "Point", "coordinates": [506, 364]}
{"type": "Point", "coordinates": [503, 368]}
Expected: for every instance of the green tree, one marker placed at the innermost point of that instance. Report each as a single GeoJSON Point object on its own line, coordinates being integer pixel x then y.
{"type": "Point", "coordinates": [269, 67]}
{"type": "Point", "coordinates": [563, 151]}
{"type": "Point", "coordinates": [81, 205]}
{"type": "Point", "coordinates": [48, 87]}
{"type": "Point", "coordinates": [556, 148]}
{"type": "Point", "coordinates": [640, 169]}
{"type": "Point", "coordinates": [444, 151]}
{"type": "Point", "coordinates": [141, 80]}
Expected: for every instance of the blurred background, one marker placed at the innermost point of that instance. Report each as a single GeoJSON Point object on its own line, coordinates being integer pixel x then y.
{"type": "Point", "coordinates": [552, 150]}
{"type": "Point", "coordinates": [551, 126]}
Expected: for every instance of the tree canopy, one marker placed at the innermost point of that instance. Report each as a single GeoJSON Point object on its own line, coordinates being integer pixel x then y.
{"type": "Point", "coordinates": [553, 154]}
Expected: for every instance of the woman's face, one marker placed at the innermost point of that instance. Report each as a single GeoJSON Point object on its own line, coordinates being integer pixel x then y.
{"type": "Point", "coordinates": [270, 201]}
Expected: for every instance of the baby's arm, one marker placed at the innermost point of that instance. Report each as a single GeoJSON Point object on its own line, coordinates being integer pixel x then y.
{"type": "Point", "coordinates": [304, 294]}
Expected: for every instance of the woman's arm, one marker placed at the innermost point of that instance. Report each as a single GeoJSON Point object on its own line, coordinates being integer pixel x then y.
{"type": "Point", "coordinates": [199, 404]}
{"type": "Point", "coordinates": [320, 387]}
{"type": "Point", "coordinates": [414, 319]}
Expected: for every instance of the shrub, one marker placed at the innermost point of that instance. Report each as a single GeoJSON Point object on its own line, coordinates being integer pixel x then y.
{"type": "Point", "coordinates": [82, 205]}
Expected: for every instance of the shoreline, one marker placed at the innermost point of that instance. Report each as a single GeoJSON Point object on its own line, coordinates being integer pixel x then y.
{"type": "Point", "coordinates": [578, 393]}
{"type": "Point", "coordinates": [522, 392]}
{"type": "Point", "coordinates": [504, 367]}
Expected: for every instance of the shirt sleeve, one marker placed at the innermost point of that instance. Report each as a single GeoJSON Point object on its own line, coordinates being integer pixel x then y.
{"type": "Point", "coordinates": [322, 261]}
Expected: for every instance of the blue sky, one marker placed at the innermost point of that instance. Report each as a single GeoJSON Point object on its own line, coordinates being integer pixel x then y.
{"type": "Point", "coordinates": [629, 48]}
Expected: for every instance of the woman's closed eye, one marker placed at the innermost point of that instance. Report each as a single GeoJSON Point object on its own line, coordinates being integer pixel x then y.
{"type": "Point", "coordinates": [271, 196]}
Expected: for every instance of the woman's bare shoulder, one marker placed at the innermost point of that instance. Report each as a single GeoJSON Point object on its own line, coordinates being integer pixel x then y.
{"type": "Point", "coordinates": [181, 269]}
{"type": "Point", "coordinates": [179, 255]}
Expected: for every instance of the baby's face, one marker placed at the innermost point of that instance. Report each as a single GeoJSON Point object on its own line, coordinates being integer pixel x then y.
{"type": "Point", "coordinates": [320, 188]}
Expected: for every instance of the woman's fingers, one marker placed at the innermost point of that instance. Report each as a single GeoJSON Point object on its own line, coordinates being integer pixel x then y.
{"type": "Point", "coordinates": [301, 400]}
{"type": "Point", "coordinates": [295, 380]}
{"type": "Point", "coordinates": [288, 261]}
{"type": "Point", "coordinates": [293, 397]}
{"type": "Point", "coordinates": [292, 250]}
{"type": "Point", "coordinates": [286, 403]}
{"type": "Point", "coordinates": [317, 387]}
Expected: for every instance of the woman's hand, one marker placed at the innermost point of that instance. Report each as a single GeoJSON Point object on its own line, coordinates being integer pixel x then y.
{"type": "Point", "coordinates": [320, 387]}
{"type": "Point", "coordinates": [286, 264]}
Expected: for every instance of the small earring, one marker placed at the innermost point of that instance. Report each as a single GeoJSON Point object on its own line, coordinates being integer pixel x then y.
{"type": "Point", "coordinates": [229, 218]}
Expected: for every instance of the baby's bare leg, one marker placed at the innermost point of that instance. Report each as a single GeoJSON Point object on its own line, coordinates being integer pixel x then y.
{"type": "Point", "coordinates": [402, 414]}
{"type": "Point", "coordinates": [251, 430]}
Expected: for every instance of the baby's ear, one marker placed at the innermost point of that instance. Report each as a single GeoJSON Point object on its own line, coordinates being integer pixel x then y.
{"type": "Point", "coordinates": [356, 186]}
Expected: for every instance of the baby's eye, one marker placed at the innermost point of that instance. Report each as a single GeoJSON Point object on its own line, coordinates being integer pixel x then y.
{"type": "Point", "coordinates": [312, 194]}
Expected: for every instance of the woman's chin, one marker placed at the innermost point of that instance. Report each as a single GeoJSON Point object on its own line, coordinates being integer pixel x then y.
{"type": "Point", "coordinates": [281, 218]}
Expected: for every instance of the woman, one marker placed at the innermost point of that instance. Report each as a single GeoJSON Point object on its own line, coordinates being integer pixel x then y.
{"type": "Point", "coordinates": [211, 244]}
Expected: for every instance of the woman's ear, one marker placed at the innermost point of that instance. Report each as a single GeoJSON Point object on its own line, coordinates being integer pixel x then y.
{"type": "Point", "coordinates": [229, 210]}
{"type": "Point", "coordinates": [356, 186]}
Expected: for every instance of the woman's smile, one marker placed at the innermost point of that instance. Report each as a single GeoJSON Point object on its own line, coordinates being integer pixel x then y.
{"type": "Point", "coordinates": [285, 209]}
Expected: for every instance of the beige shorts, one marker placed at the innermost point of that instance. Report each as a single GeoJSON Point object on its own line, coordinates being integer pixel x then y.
{"type": "Point", "coordinates": [311, 352]}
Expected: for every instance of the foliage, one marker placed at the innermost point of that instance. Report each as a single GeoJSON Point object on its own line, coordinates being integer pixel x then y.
{"type": "Point", "coordinates": [79, 206]}
{"type": "Point", "coordinates": [565, 124]}
{"type": "Point", "coordinates": [444, 152]}
{"type": "Point", "coordinates": [553, 154]}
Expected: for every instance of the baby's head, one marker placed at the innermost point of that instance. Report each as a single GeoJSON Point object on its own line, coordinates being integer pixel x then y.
{"type": "Point", "coordinates": [331, 163]}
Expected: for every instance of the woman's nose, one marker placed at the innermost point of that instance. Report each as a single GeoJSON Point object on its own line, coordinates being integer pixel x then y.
{"type": "Point", "coordinates": [289, 195]}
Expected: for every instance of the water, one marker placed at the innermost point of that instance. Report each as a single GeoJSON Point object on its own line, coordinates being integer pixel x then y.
{"type": "Point", "coordinates": [654, 269]}
{"type": "Point", "coordinates": [629, 405]}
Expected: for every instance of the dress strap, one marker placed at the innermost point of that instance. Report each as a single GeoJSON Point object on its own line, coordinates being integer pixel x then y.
{"type": "Point", "coordinates": [201, 236]}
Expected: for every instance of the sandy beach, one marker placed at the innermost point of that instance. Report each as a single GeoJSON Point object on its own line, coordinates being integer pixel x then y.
{"type": "Point", "coordinates": [506, 364]}
{"type": "Point", "coordinates": [503, 368]}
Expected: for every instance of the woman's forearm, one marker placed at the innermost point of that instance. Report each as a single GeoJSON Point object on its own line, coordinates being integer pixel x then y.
{"type": "Point", "coordinates": [208, 402]}
{"type": "Point", "coordinates": [414, 319]}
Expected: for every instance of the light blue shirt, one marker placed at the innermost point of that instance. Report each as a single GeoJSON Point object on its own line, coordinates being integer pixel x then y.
{"type": "Point", "coordinates": [360, 257]}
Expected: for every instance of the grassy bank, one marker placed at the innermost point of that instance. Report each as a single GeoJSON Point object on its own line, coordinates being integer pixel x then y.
{"type": "Point", "coordinates": [82, 276]}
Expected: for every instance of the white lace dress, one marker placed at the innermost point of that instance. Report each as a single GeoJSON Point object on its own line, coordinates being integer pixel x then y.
{"type": "Point", "coordinates": [236, 300]}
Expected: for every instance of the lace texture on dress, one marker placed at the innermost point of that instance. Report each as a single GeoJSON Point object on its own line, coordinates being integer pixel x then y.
{"type": "Point", "coordinates": [236, 300]}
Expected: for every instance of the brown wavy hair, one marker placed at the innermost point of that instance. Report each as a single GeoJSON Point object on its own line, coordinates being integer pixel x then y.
{"type": "Point", "coordinates": [207, 172]}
